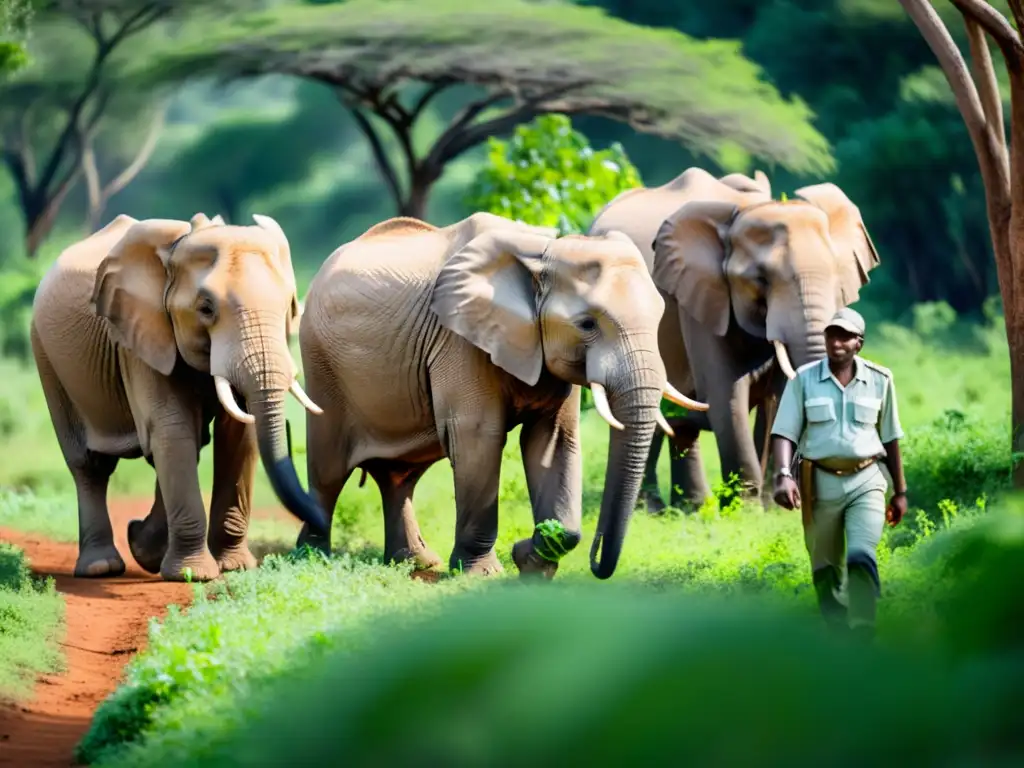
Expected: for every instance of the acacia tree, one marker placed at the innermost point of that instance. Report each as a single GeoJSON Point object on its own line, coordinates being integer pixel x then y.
{"type": "Point", "coordinates": [51, 115]}
{"type": "Point", "coordinates": [14, 19]}
{"type": "Point", "coordinates": [1001, 165]}
{"type": "Point", "coordinates": [390, 63]}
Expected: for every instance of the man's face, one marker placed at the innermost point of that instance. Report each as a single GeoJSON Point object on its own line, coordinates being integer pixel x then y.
{"type": "Point", "coordinates": [841, 345]}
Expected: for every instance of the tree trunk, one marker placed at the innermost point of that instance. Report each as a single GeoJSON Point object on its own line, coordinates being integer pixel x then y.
{"type": "Point", "coordinates": [415, 202]}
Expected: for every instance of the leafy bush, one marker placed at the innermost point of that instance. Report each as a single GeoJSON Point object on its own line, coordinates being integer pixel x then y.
{"type": "Point", "coordinates": [535, 674]}
{"type": "Point", "coordinates": [548, 175]}
{"type": "Point", "coordinates": [31, 621]}
{"type": "Point", "coordinates": [956, 458]}
{"type": "Point", "coordinates": [201, 670]}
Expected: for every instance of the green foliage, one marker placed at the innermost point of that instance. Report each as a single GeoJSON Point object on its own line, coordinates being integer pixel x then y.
{"type": "Point", "coordinates": [458, 682]}
{"type": "Point", "coordinates": [31, 623]}
{"type": "Point", "coordinates": [203, 670]}
{"type": "Point", "coordinates": [548, 175]}
{"type": "Point", "coordinates": [15, 16]}
{"type": "Point", "coordinates": [565, 58]}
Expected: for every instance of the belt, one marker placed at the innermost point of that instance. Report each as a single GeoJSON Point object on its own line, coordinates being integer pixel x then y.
{"type": "Point", "coordinates": [844, 467]}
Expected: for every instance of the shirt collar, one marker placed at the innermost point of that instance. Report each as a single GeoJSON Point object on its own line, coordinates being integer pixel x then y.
{"type": "Point", "coordinates": [860, 372]}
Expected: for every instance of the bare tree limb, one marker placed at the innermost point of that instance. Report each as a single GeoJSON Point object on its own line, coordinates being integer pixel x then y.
{"type": "Point", "coordinates": [985, 80]}
{"type": "Point", "coordinates": [995, 171]}
{"type": "Point", "coordinates": [993, 22]}
{"type": "Point", "coordinates": [1017, 9]}
{"type": "Point", "coordinates": [427, 96]}
{"type": "Point", "coordinates": [380, 155]}
{"type": "Point", "coordinates": [133, 169]}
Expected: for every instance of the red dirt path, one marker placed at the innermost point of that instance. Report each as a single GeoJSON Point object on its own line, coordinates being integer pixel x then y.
{"type": "Point", "coordinates": [106, 624]}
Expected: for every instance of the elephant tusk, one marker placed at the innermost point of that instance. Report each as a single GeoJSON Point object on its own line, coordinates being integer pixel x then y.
{"type": "Point", "coordinates": [660, 418]}
{"type": "Point", "coordinates": [227, 399]}
{"type": "Point", "coordinates": [601, 404]}
{"type": "Point", "coordinates": [784, 363]}
{"type": "Point", "coordinates": [673, 395]}
{"type": "Point", "coordinates": [302, 397]}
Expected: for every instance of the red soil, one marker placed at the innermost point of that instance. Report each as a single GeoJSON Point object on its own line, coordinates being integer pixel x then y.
{"type": "Point", "coordinates": [106, 624]}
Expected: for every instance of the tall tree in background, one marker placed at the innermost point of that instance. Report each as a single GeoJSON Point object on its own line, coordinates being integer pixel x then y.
{"type": "Point", "coordinates": [389, 61]}
{"type": "Point", "coordinates": [50, 115]}
{"type": "Point", "coordinates": [1002, 167]}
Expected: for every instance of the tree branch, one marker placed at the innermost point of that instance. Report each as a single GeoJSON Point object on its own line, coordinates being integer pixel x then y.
{"type": "Point", "coordinates": [995, 171]}
{"type": "Point", "coordinates": [384, 164]}
{"type": "Point", "coordinates": [986, 83]}
{"type": "Point", "coordinates": [427, 96]}
{"type": "Point", "coordinates": [993, 22]}
{"type": "Point", "coordinates": [133, 169]}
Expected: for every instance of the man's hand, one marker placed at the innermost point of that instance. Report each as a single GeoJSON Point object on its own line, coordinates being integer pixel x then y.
{"type": "Point", "coordinates": [897, 508]}
{"type": "Point", "coordinates": [787, 494]}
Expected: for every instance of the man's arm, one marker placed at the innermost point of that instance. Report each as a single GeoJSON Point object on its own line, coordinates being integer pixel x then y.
{"type": "Point", "coordinates": [890, 432]}
{"type": "Point", "coordinates": [786, 431]}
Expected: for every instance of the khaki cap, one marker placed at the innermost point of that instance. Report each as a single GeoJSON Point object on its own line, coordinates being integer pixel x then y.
{"type": "Point", "coordinates": [849, 320]}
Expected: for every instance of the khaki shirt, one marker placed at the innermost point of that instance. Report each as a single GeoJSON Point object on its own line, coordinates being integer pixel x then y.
{"type": "Point", "coordinates": [827, 421]}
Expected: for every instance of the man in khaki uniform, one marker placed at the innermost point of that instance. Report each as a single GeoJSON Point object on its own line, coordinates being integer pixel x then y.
{"type": "Point", "coordinates": [840, 412]}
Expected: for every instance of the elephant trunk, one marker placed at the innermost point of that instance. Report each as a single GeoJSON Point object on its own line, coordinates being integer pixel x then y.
{"type": "Point", "coordinates": [804, 339]}
{"type": "Point", "coordinates": [635, 401]}
{"type": "Point", "coordinates": [264, 379]}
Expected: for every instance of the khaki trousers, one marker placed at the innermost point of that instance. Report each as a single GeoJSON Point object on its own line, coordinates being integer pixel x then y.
{"type": "Point", "coordinates": [845, 524]}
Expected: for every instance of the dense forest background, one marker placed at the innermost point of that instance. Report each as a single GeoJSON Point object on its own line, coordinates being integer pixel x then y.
{"type": "Point", "coordinates": [286, 147]}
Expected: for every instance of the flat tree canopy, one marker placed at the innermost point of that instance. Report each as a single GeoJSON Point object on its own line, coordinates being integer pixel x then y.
{"type": "Point", "coordinates": [530, 59]}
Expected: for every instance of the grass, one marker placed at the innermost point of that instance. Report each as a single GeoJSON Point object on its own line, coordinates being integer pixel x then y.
{"type": "Point", "coordinates": [368, 664]}
{"type": "Point", "coordinates": [31, 624]}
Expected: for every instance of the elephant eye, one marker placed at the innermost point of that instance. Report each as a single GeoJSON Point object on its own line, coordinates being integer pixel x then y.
{"type": "Point", "coordinates": [206, 308]}
{"type": "Point", "coordinates": [587, 324]}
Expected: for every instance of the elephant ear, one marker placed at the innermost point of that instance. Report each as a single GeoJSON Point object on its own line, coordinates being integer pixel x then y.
{"type": "Point", "coordinates": [129, 291]}
{"type": "Point", "coordinates": [485, 293]}
{"type": "Point", "coordinates": [850, 238]}
{"type": "Point", "coordinates": [285, 260]}
{"type": "Point", "coordinates": [689, 259]}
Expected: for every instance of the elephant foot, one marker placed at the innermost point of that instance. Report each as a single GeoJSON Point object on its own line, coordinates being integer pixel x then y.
{"type": "Point", "coordinates": [652, 501]}
{"type": "Point", "coordinates": [488, 565]}
{"type": "Point", "coordinates": [322, 543]}
{"type": "Point", "coordinates": [529, 563]}
{"type": "Point", "coordinates": [423, 558]}
{"type": "Point", "coordinates": [94, 562]}
{"type": "Point", "coordinates": [147, 549]}
{"type": "Point", "coordinates": [197, 567]}
{"type": "Point", "coordinates": [236, 559]}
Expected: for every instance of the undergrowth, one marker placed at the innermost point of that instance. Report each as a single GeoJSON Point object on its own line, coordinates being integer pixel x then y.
{"type": "Point", "coordinates": [31, 625]}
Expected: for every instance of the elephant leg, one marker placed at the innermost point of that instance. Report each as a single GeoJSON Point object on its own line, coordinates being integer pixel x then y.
{"type": "Point", "coordinates": [235, 456]}
{"type": "Point", "coordinates": [175, 424]}
{"type": "Point", "coordinates": [730, 420]}
{"type": "Point", "coordinates": [762, 433]}
{"type": "Point", "coordinates": [327, 466]}
{"type": "Point", "coordinates": [147, 539]}
{"type": "Point", "coordinates": [91, 471]}
{"type": "Point", "coordinates": [474, 446]}
{"type": "Point", "coordinates": [689, 483]}
{"type": "Point", "coordinates": [402, 537]}
{"type": "Point", "coordinates": [553, 466]}
{"type": "Point", "coordinates": [650, 494]}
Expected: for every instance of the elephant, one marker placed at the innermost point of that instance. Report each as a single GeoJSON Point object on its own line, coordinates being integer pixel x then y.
{"type": "Point", "coordinates": [143, 334]}
{"type": "Point", "coordinates": [749, 283]}
{"type": "Point", "coordinates": [422, 343]}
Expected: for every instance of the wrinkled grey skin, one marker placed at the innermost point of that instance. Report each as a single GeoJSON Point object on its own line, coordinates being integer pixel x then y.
{"type": "Point", "coordinates": [130, 328]}
{"type": "Point", "coordinates": [738, 272]}
{"type": "Point", "coordinates": [422, 343]}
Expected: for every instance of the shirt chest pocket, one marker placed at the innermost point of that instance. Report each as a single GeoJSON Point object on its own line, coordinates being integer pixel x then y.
{"type": "Point", "coordinates": [865, 410]}
{"type": "Point", "coordinates": [820, 410]}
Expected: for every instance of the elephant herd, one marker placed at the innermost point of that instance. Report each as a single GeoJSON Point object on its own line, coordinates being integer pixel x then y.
{"type": "Point", "coordinates": [153, 338]}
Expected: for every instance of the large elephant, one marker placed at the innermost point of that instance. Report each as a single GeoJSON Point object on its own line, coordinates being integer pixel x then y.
{"type": "Point", "coordinates": [422, 343]}
{"type": "Point", "coordinates": [142, 333]}
{"type": "Point", "coordinates": [749, 284]}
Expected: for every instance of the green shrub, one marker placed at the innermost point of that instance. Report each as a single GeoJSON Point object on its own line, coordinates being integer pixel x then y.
{"type": "Point", "coordinates": [956, 458]}
{"type": "Point", "coordinates": [613, 676]}
{"type": "Point", "coordinates": [31, 622]}
{"type": "Point", "coordinates": [202, 669]}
